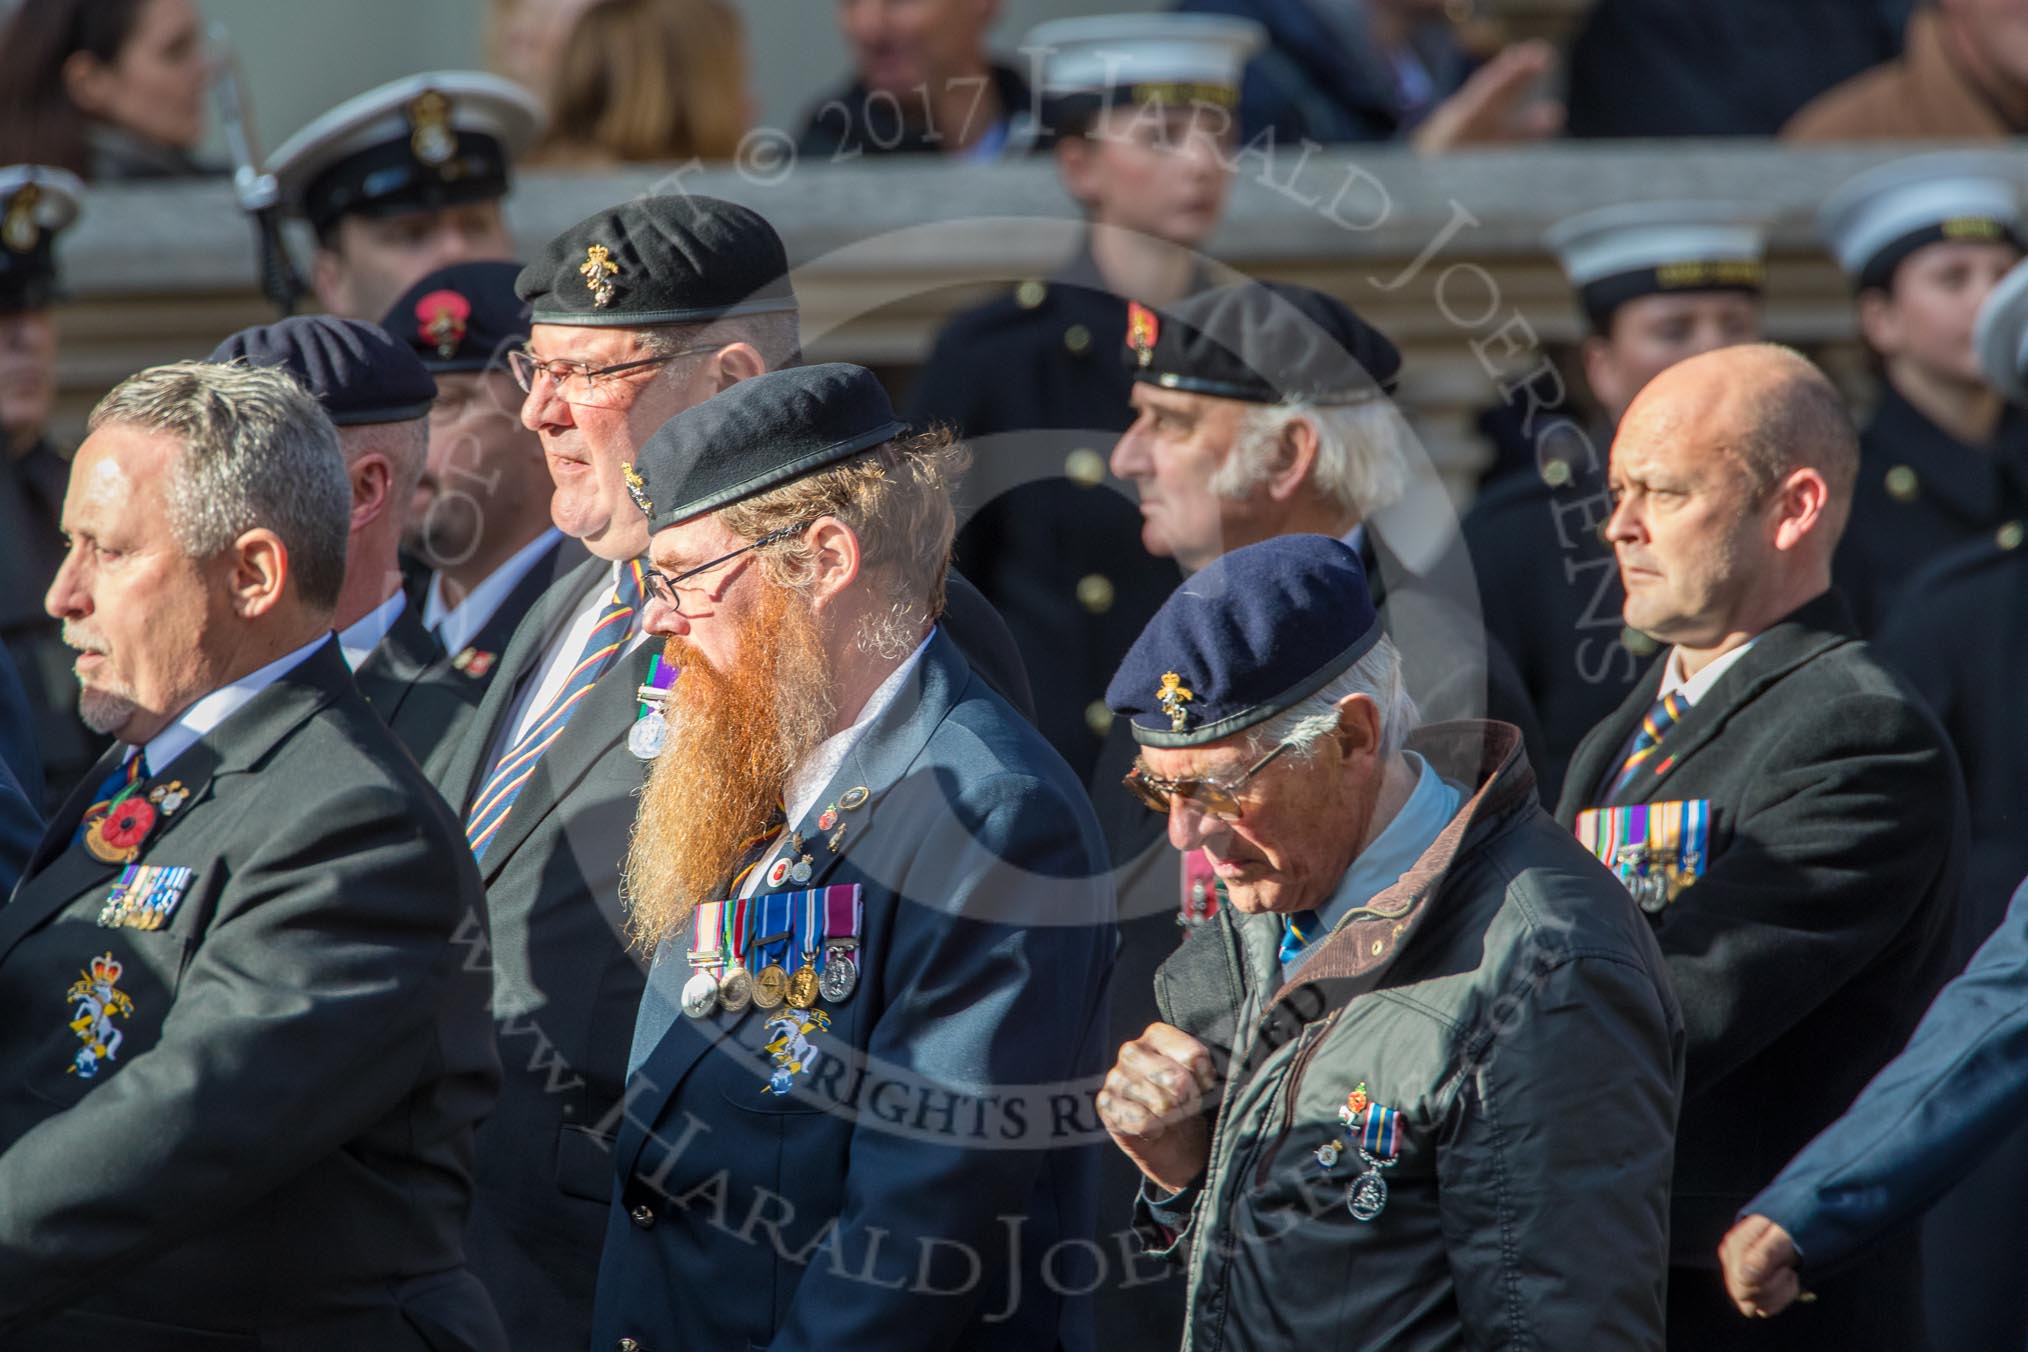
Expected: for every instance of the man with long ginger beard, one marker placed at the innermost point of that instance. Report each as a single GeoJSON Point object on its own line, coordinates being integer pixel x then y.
{"type": "Point", "coordinates": [838, 796]}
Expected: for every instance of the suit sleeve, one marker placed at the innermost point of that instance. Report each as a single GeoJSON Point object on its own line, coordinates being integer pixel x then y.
{"type": "Point", "coordinates": [996, 983]}
{"type": "Point", "coordinates": [20, 828]}
{"type": "Point", "coordinates": [1925, 1121]}
{"type": "Point", "coordinates": [1555, 1183]}
{"type": "Point", "coordinates": [1849, 823]}
{"type": "Point", "coordinates": [307, 1011]}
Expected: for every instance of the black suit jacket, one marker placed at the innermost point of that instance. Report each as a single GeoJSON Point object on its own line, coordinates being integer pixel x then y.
{"type": "Point", "coordinates": [490, 643]}
{"type": "Point", "coordinates": [277, 1151]}
{"type": "Point", "coordinates": [409, 682]}
{"type": "Point", "coordinates": [1809, 946]}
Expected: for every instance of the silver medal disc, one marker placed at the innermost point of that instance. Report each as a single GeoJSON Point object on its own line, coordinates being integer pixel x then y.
{"type": "Point", "coordinates": [840, 976]}
{"type": "Point", "coordinates": [700, 995]}
{"type": "Point", "coordinates": [735, 990]}
{"type": "Point", "coordinates": [1366, 1195]}
{"type": "Point", "coordinates": [646, 737]}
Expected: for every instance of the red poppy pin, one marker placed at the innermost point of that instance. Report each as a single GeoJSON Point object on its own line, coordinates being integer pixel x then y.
{"type": "Point", "coordinates": [1142, 330]}
{"type": "Point", "coordinates": [441, 317]}
{"type": "Point", "coordinates": [117, 837]}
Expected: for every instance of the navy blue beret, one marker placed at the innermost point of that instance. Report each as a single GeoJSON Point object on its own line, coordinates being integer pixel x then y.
{"type": "Point", "coordinates": [659, 260]}
{"type": "Point", "coordinates": [462, 318]}
{"type": "Point", "coordinates": [757, 435]}
{"type": "Point", "coordinates": [1245, 639]}
{"type": "Point", "coordinates": [1264, 342]}
{"type": "Point", "coordinates": [356, 370]}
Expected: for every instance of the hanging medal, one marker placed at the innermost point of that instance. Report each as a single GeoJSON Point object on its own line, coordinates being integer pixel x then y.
{"type": "Point", "coordinates": [809, 918]}
{"type": "Point", "coordinates": [700, 992]}
{"type": "Point", "coordinates": [735, 988]}
{"type": "Point", "coordinates": [838, 972]}
{"type": "Point", "coordinates": [771, 946]}
{"type": "Point", "coordinates": [1379, 1148]}
{"type": "Point", "coordinates": [651, 726]}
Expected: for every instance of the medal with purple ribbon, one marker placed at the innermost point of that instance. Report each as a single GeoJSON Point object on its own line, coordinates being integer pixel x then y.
{"type": "Point", "coordinates": [651, 728]}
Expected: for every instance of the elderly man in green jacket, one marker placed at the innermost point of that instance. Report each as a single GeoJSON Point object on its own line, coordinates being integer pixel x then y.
{"type": "Point", "coordinates": [1416, 1085]}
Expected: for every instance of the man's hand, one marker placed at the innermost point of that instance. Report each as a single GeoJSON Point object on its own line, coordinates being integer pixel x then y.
{"type": "Point", "coordinates": [1495, 105]}
{"type": "Point", "coordinates": [1152, 1102]}
{"type": "Point", "coordinates": [1759, 1260]}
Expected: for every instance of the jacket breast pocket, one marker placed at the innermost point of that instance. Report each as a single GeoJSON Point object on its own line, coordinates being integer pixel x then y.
{"type": "Point", "coordinates": [112, 1011]}
{"type": "Point", "coordinates": [785, 1061]}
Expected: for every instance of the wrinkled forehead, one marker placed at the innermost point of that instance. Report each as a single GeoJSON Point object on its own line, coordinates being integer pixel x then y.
{"type": "Point", "coordinates": [1214, 760]}
{"type": "Point", "coordinates": [586, 343]}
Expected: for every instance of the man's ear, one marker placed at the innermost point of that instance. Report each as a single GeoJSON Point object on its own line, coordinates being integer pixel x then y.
{"type": "Point", "coordinates": [1358, 726]}
{"type": "Point", "coordinates": [1802, 500]}
{"type": "Point", "coordinates": [835, 558]}
{"type": "Point", "coordinates": [372, 489]}
{"type": "Point", "coordinates": [1294, 459]}
{"type": "Point", "coordinates": [259, 569]}
{"type": "Point", "coordinates": [736, 362]}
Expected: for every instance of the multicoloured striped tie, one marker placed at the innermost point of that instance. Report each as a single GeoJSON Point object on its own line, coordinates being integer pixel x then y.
{"type": "Point", "coordinates": [1660, 719]}
{"type": "Point", "coordinates": [607, 641]}
{"type": "Point", "coordinates": [1299, 931]}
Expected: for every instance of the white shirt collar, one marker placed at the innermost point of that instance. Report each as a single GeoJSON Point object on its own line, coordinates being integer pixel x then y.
{"type": "Point", "coordinates": [808, 779]}
{"type": "Point", "coordinates": [456, 625]}
{"type": "Point", "coordinates": [208, 711]}
{"type": "Point", "coordinates": [359, 638]}
{"type": "Point", "coordinates": [1694, 688]}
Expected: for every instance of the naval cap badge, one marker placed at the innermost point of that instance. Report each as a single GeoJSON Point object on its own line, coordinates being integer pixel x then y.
{"type": "Point", "coordinates": [430, 135]}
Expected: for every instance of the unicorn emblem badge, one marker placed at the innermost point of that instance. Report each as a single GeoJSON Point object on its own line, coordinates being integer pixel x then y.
{"type": "Point", "coordinates": [98, 998]}
{"type": "Point", "coordinates": [790, 1046]}
{"type": "Point", "coordinates": [597, 270]}
{"type": "Point", "coordinates": [1172, 697]}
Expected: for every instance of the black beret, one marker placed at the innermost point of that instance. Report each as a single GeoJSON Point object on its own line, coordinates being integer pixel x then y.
{"type": "Point", "coordinates": [757, 435]}
{"type": "Point", "coordinates": [1245, 639]}
{"type": "Point", "coordinates": [462, 318]}
{"type": "Point", "coordinates": [1264, 342]}
{"type": "Point", "coordinates": [356, 370]}
{"type": "Point", "coordinates": [659, 260]}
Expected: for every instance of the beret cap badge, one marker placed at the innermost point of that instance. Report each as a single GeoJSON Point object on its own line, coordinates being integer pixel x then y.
{"type": "Point", "coordinates": [597, 270]}
{"type": "Point", "coordinates": [637, 488]}
{"type": "Point", "coordinates": [441, 317]}
{"type": "Point", "coordinates": [1172, 697]}
{"type": "Point", "coordinates": [19, 230]}
{"type": "Point", "coordinates": [430, 135]}
{"type": "Point", "coordinates": [1142, 330]}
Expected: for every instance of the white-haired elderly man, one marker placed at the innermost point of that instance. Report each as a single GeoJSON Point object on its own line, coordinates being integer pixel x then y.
{"type": "Point", "coordinates": [1415, 1086]}
{"type": "Point", "coordinates": [245, 1055]}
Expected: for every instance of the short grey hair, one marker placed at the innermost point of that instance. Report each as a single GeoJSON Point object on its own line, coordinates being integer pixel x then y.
{"type": "Point", "coordinates": [406, 446]}
{"type": "Point", "coordinates": [257, 451]}
{"type": "Point", "coordinates": [1362, 452]}
{"type": "Point", "coordinates": [1311, 719]}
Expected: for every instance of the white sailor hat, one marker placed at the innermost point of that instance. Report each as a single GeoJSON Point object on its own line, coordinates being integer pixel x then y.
{"type": "Point", "coordinates": [2001, 337]}
{"type": "Point", "coordinates": [1143, 58]}
{"type": "Point", "coordinates": [418, 143]}
{"type": "Point", "coordinates": [1620, 253]}
{"type": "Point", "coordinates": [36, 203]}
{"type": "Point", "coordinates": [1878, 219]}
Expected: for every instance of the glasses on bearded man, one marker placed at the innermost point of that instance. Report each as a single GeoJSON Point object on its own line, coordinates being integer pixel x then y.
{"type": "Point", "coordinates": [662, 587]}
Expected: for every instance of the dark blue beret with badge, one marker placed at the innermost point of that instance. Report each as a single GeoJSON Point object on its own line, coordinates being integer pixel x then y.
{"type": "Point", "coordinates": [1265, 343]}
{"type": "Point", "coordinates": [465, 317]}
{"type": "Point", "coordinates": [682, 259]}
{"type": "Point", "coordinates": [757, 435]}
{"type": "Point", "coordinates": [1261, 629]}
{"type": "Point", "coordinates": [356, 370]}
{"type": "Point", "coordinates": [36, 204]}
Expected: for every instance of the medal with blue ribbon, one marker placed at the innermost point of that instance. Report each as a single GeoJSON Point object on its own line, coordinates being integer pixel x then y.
{"type": "Point", "coordinates": [771, 949]}
{"type": "Point", "coordinates": [809, 924]}
{"type": "Point", "coordinates": [1379, 1148]}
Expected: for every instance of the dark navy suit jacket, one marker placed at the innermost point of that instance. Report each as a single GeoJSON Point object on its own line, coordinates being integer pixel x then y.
{"type": "Point", "coordinates": [1925, 1121]}
{"type": "Point", "coordinates": [930, 1182]}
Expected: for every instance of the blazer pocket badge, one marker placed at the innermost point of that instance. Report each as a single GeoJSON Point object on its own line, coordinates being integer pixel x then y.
{"type": "Point", "coordinates": [96, 1000]}
{"type": "Point", "coordinates": [1654, 849]}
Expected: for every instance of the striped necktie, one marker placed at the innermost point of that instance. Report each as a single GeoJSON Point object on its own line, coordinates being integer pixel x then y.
{"type": "Point", "coordinates": [1660, 719]}
{"type": "Point", "coordinates": [1299, 932]}
{"type": "Point", "coordinates": [608, 639]}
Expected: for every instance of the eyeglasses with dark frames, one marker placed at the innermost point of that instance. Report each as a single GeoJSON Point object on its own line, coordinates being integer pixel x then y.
{"type": "Point", "coordinates": [1210, 798]}
{"type": "Point", "coordinates": [662, 587]}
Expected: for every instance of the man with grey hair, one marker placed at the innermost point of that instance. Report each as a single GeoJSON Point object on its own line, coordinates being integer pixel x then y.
{"type": "Point", "coordinates": [218, 1014]}
{"type": "Point", "coordinates": [378, 393]}
{"type": "Point", "coordinates": [1383, 1055]}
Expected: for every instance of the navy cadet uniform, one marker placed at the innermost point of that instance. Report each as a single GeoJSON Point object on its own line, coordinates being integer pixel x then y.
{"type": "Point", "coordinates": [1959, 634]}
{"type": "Point", "coordinates": [1548, 582]}
{"type": "Point", "coordinates": [912, 1128]}
{"type": "Point", "coordinates": [422, 143]}
{"type": "Point", "coordinates": [1797, 837]}
{"type": "Point", "coordinates": [1922, 492]}
{"type": "Point", "coordinates": [36, 204]}
{"type": "Point", "coordinates": [249, 1122]}
{"type": "Point", "coordinates": [459, 320]}
{"type": "Point", "coordinates": [363, 377]}
{"type": "Point", "coordinates": [1034, 383]}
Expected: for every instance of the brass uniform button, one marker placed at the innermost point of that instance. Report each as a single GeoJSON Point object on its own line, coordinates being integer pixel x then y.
{"type": "Point", "coordinates": [2009, 536]}
{"type": "Point", "coordinates": [1098, 718]}
{"type": "Point", "coordinates": [1077, 338]}
{"type": "Point", "coordinates": [1556, 473]}
{"type": "Point", "coordinates": [1085, 467]}
{"type": "Point", "coordinates": [1095, 593]}
{"type": "Point", "coordinates": [1902, 485]}
{"type": "Point", "coordinates": [1637, 643]}
{"type": "Point", "coordinates": [1030, 294]}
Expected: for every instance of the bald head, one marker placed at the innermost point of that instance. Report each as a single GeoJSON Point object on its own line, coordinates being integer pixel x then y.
{"type": "Point", "coordinates": [1733, 472]}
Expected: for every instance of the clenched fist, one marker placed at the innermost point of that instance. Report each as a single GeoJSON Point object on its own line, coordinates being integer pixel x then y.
{"type": "Point", "coordinates": [1760, 1260]}
{"type": "Point", "coordinates": [1153, 1104]}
